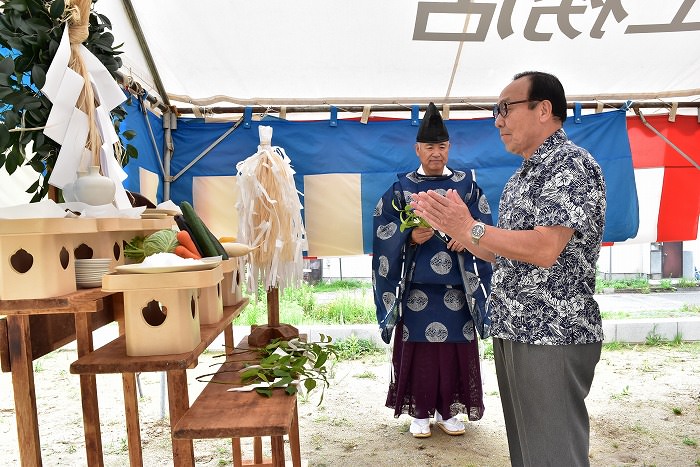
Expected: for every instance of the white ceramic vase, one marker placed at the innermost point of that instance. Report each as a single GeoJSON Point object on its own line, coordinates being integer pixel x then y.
{"type": "Point", "coordinates": [69, 193]}
{"type": "Point", "coordinates": [93, 188]}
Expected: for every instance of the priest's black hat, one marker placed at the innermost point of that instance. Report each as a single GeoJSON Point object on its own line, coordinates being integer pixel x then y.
{"type": "Point", "coordinates": [432, 129]}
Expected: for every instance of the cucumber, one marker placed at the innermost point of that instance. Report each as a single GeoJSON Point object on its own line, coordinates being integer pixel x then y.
{"type": "Point", "coordinates": [200, 233]}
{"type": "Point", "coordinates": [182, 225]}
{"type": "Point", "coordinates": [217, 244]}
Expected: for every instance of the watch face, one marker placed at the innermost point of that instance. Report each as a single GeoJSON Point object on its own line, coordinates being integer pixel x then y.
{"type": "Point", "coordinates": [478, 230]}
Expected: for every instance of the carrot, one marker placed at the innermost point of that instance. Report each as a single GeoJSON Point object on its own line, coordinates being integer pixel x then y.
{"type": "Point", "coordinates": [183, 252]}
{"type": "Point", "coordinates": [184, 239]}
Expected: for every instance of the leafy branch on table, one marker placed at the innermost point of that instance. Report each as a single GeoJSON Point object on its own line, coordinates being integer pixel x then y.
{"type": "Point", "coordinates": [287, 365]}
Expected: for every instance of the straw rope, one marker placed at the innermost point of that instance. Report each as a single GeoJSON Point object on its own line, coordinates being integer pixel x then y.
{"type": "Point", "coordinates": [78, 21]}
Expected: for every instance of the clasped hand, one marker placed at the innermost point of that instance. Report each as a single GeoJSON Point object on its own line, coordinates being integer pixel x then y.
{"type": "Point", "coordinates": [420, 235]}
{"type": "Point", "coordinates": [447, 213]}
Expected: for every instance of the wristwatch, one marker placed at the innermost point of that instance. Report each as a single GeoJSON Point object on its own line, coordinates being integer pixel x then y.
{"type": "Point", "coordinates": [478, 231]}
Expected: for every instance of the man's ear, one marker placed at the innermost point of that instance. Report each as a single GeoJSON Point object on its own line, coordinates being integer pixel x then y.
{"type": "Point", "coordinates": [545, 109]}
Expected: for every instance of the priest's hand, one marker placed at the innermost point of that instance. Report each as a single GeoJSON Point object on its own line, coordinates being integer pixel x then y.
{"type": "Point", "coordinates": [420, 235]}
{"type": "Point", "coordinates": [454, 245]}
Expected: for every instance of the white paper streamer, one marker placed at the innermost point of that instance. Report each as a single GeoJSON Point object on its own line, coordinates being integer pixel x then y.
{"type": "Point", "coordinates": [279, 230]}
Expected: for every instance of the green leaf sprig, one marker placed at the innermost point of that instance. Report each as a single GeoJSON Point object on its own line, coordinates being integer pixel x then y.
{"type": "Point", "coordinates": [409, 218]}
{"type": "Point", "coordinates": [290, 365]}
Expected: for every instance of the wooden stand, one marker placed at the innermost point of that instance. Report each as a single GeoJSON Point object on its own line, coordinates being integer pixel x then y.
{"type": "Point", "coordinates": [36, 327]}
{"type": "Point", "coordinates": [45, 312]}
{"type": "Point", "coordinates": [112, 358]}
{"type": "Point", "coordinates": [255, 416]}
{"type": "Point", "coordinates": [262, 335]}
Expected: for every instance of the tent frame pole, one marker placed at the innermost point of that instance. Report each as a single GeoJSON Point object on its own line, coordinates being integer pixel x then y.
{"type": "Point", "coordinates": [486, 106]}
{"type": "Point", "coordinates": [169, 124]}
{"type": "Point", "coordinates": [136, 25]}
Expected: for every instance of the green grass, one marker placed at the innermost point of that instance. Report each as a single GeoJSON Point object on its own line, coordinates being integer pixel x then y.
{"type": "Point", "coordinates": [343, 284]}
{"type": "Point", "coordinates": [689, 441]}
{"type": "Point", "coordinates": [367, 374]}
{"type": "Point", "coordinates": [352, 303]}
{"type": "Point", "coordinates": [686, 283]}
{"type": "Point", "coordinates": [354, 348]}
{"type": "Point", "coordinates": [345, 309]}
{"type": "Point", "coordinates": [690, 347]}
{"type": "Point", "coordinates": [641, 284]}
{"type": "Point", "coordinates": [613, 346]}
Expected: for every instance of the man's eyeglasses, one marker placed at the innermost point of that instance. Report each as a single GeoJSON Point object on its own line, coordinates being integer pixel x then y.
{"type": "Point", "coordinates": [502, 107]}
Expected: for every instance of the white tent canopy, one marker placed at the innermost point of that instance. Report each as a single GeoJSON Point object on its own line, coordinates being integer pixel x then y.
{"type": "Point", "coordinates": [280, 52]}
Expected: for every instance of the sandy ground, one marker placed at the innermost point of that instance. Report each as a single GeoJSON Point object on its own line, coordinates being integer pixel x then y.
{"type": "Point", "coordinates": [644, 408]}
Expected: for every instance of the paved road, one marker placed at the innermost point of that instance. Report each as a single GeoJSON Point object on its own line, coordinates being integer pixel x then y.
{"type": "Point", "coordinates": [648, 302]}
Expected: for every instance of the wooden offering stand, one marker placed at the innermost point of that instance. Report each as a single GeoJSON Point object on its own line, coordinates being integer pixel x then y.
{"type": "Point", "coordinates": [262, 335]}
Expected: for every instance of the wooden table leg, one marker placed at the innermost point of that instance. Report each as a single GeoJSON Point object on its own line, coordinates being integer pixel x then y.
{"type": "Point", "coordinates": [294, 439]}
{"type": "Point", "coordinates": [88, 394]}
{"type": "Point", "coordinates": [277, 451]}
{"type": "Point", "coordinates": [237, 454]}
{"type": "Point", "coordinates": [257, 450]}
{"type": "Point", "coordinates": [20, 348]}
{"type": "Point", "coordinates": [228, 339]}
{"type": "Point", "coordinates": [179, 402]}
{"type": "Point", "coordinates": [131, 412]}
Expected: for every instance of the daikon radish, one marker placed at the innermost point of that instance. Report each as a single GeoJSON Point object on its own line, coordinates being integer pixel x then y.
{"type": "Point", "coordinates": [234, 249]}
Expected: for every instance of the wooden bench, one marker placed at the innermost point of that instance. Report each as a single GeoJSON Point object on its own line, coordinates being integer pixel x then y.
{"type": "Point", "coordinates": [219, 413]}
{"type": "Point", "coordinates": [112, 358]}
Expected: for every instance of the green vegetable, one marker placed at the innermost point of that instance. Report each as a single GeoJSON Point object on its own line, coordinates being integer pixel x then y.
{"type": "Point", "coordinates": [220, 251]}
{"type": "Point", "coordinates": [162, 241]}
{"type": "Point", "coordinates": [182, 225]}
{"type": "Point", "coordinates": [134, 248]}
{"type": "Point", "coordinates": [200, 231]}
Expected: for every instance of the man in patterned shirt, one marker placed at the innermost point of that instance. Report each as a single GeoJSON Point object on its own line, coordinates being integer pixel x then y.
{"type": "Point", "coordinates": [546, 325]}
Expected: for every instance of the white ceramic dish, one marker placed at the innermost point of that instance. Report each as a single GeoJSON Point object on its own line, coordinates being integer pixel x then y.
{"type": "Point", "coordinates": [141, 269]}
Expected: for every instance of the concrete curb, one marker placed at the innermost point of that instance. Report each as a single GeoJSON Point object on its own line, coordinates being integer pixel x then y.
{"type": "Point", "coordinates": [635, 331]}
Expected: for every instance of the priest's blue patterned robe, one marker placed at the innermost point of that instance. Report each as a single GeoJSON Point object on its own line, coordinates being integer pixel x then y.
{"type": "Point", "coordinates": [440, 295]}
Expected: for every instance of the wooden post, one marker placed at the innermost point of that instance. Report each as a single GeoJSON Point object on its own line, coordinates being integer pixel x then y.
{"type": "Point", "coordinates": [273, 307]}
{"type": "Point", "coordinates": [260, 336]}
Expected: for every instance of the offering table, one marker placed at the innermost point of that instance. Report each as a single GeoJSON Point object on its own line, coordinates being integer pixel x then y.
{"type": "Point", "coordinates": [33, 328]}
{"type": "Point", "coordinates": [41, 310]}
{"type": "Point", "coordinates": [112, 358]}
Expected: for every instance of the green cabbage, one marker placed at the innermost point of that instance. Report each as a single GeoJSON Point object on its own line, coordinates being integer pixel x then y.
{"type": "Point", "coordinates": [134, 249]}
{"type": "Point", "coordinates": [163, 241]}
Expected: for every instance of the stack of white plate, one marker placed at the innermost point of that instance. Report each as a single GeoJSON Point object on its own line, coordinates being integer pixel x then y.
{"type": "Point", "coordinates": [89, 272]}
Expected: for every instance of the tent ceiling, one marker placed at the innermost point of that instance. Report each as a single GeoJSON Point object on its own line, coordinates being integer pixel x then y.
{"type": "Point", "coordinates": [311, 52]}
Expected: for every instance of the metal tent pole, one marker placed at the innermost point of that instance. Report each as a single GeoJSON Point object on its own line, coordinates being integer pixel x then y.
{"type": "Point", "coordinates": [169, 124]}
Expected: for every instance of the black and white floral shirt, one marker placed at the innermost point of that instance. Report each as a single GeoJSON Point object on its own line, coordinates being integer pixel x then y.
{"type": "Point", "coordinates": [560, 184]}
